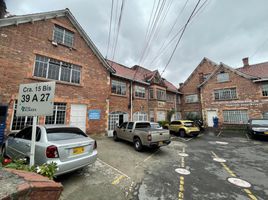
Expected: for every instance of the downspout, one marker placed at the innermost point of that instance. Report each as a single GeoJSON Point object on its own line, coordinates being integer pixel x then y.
{"type": "Point", "coordinates": [131, 101]}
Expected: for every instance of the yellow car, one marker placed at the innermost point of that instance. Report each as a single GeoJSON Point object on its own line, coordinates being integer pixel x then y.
{"type": "Point", "coordinates": [184, 128]}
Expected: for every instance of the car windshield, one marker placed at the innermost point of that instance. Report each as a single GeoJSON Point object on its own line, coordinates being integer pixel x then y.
{"type": "Point", "coordinates": [189, 124]}
{"type": "Point", "coordinates": [260, 122]}
{"type": "Point", "coordinates": [56, 134]}
{"type": "Point", "coordinates": [143, 125]}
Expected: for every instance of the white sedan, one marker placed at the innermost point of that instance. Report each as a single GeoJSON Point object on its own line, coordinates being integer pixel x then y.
{"type": "Point", "coordinates": [69, 147]}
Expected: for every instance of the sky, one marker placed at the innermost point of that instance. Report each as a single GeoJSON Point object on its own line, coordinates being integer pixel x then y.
{"type": "Point", "coordinates": [223, 31]}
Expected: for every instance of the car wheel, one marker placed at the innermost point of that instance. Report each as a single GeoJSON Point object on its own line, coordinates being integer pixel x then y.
{"type": "Point", "coordinates": [137, 144]}
{"type": "Point", "coordinates": [115, 136]}
{"type": "Point", "coordinates": [182, 133]}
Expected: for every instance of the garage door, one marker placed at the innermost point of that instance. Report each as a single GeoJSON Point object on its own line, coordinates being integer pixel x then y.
{"type": "Point", "coordinates": [78, 116]}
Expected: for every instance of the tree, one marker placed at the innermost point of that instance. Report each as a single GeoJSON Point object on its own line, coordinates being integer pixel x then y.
{"type": "Point", "coordinates": [3, 9]}
{"type": "Point", "coordinates": [170, 113]}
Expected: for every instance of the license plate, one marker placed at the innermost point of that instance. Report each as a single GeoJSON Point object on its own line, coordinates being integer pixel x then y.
{"type": "Point", "coordinates": [160, 143]}
{"type": "Point", "coordinates": [78, 150]}
{"type": "Point", "coordinates": [266, 132]}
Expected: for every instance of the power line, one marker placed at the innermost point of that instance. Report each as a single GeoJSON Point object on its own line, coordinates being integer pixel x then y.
{"type": "Point", "coordinates": [184, 28]}
{"type": "Point", "coordinates": [110, 27]}
{"type": "Point", "coordinates": [263, 43]}
{"type": "Point", "coordinates": [175, 36]}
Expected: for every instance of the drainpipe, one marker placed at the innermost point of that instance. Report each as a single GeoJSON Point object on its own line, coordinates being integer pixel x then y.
{"type": "Point", "coordinates": [131, 102]}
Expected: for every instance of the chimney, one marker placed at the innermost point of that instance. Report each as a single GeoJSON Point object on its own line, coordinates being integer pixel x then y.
{"type": "Point", "coordinates": [180, 84]}
{"type": "Point", "coordinates": [245, 62]}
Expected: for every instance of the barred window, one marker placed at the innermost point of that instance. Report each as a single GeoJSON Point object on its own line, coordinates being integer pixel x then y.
{"type": "Point", "coordinates": [59, 113]}
{"type": "Point", "coordinates": [57, 70]}
{"type": "Point", "coordinates": [235, 116]}
{"type": "Point", "coordinates": [63, 36]}
{"type": "Point", "coordinates": [118, 87]}
{"type": "Point", "coordinates": [223, 77]}
{"type": "Point", "coordinates": [161, 94]}
{"type": "Point", "coordinates": [140, 116]}
{"type": "Point", "coordinates": [225, 94]}
{"type": "Point", "coordinates": [19, 123]}
{"type": "Point", "coordinates": [265, 90]}
{"type": "Point", "coordinates": [193, 98]}
{"type": "Point", "coordinates": [139, 91]}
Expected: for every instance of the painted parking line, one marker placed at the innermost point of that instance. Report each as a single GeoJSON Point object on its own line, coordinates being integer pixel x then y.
{"type": "Point", "coordinates": [181, 188]}
{"type": "Point", "coordinates": [146, 159]}
{"type": "Point", "coordinates": [247, 191]}
{"type": "Point", "coordinates": [120, 172]}
{"type": "Point", "coordinates": [117, 180]}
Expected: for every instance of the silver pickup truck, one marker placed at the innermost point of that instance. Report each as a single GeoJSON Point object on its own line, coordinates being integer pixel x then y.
{"type": "Point", "coordinates": [141, 134]}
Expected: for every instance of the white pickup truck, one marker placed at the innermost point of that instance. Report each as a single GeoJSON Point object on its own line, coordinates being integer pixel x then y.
{"type": "Point", "coordinates": [142, 134]}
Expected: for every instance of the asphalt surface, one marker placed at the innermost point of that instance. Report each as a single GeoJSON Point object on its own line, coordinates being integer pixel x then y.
{"type": "Point", "coordinates": [122, 173]}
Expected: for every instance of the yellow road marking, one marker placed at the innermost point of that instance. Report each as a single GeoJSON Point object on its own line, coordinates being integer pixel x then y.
{"type": "Point", "coordinates": [146, 159]}
{"type": "Point", "coordinates": [117, 180]}
{"type": "Point", "coordinates": [249, 193]}
{"type": "Point", "coordinates": [181, 188]}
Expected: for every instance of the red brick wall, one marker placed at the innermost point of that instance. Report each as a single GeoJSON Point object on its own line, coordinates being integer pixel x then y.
{"type": "Point", "coordinates": [191, 86]}
{"type": "Point", "coordinates": [18, 47]}
{"type": "Point", "coordinates": [249, 96]}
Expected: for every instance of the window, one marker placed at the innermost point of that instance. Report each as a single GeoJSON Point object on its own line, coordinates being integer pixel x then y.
{"type": "Point", "coordinates": [192, 115]}
{"type": "Point", "coordinates": [151, 93]}
{"type": "Point", "coordinates": [130, 125]}
{"type": "Point", "coordinates": [265, 90]}
{"type": "Point", "coordinates": [225, 94]}
{"type": "Point", "coordinates": [178, 99]}
{"type": "Point", "coordinates": [63, 36]}
{"type": "Point", "coordinates": [193, 98]}
{"type": "Point", "coordinates": [140, 116]}
{"type": "Point", "coordinates": [170, 97]}
{"type": "Point", "coordinates": [161, 94]}
{"type": "Point", "coordinates": [265, 115]}
{"type": "Point", "coordinates": [123, 125]}
{"type": "Point", "coordinates": [139, 91]}
{"type": "Point", "coordinates": [118, 87]}
{"type": "Point", "coordinates": [19, 123]}
{"type": "Point", "coordinates": [57, 70]}
{"type": "Point", "coordinates": [222, 77]}
{"type": "Point", "coordinates": [235, 116]}
{"type": "Point", "coordinates": [175, 123]}
{"type": "Point", "coordinates": [59, 113]}
{"type": "Point", "coordinates": [161, 115]}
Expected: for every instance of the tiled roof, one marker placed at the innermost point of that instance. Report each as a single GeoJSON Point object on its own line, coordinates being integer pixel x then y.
{"type": "Point", "coordinates": [258, 70]}
{"type": "Point", "coordinates": [139, 74]}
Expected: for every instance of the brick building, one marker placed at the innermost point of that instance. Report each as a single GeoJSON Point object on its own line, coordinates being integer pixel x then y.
{"type": "Point", "coordinates": [190, 98]}
{"type": "Point", "coordinates": [53, 46]}
{"type": "Point", "coordinates": [152, 96]}
{"type": "Point", "coordinates": [235, 95]}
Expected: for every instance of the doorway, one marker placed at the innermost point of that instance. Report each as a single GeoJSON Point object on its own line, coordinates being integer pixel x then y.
{"type": "Point", "coordinates": [3, 116]}
{"type": "Point", "coordinates": [210, 115]}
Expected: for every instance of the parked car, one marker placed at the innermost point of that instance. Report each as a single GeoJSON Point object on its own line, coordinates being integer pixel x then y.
{"type": "Point", "coordinates": [142, 134]}
{"type": "Point", "coordinates": [69, 147]}
{"type": "Point", "coordinates": [184, 128]}
{"type": "Point", "coordinates": [155, 125]}
{"type": "Point", "coordinates": [257, 127]}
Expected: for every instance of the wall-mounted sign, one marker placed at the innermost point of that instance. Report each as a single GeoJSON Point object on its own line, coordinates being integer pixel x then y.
{"type": "Point", "coordinates": [94, 114]}
{"type": "Point", "coordinates": [36, 99]}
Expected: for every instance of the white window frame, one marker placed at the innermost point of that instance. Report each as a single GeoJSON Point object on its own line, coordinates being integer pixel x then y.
{"type": "Point", "coordinates": [140, 91]}
{"type": "Point", "coordinates": [264, 89]}
{"type": "Point", "coordinates": [161, 94]}
{"type": "Point", "coordinates": [223, 77]}
{"type": "Point", "coordinates": [140, 116]}
{"type": "Point", "coordinates": [151, 93]}
{"type": "Point", "coordinates": [55, 112]}
{"type": "Point", "coordinates": [73, 68]}
{"type": "Point", "coordinates": [235, 116]}
{"type": "Point", "coordinates": [64, 35]}
{"type": "Point", "coordinates": [120, 87]}
{"type": "Point", "coordinates": [191, 98]}
{"type": "Point", "coordinates": [225, 94]}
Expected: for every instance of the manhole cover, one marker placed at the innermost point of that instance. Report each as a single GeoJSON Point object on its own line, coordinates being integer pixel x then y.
{"type": "Point", "coordinates": [220, 142]}
{"type": "Point", "coordinates": [183, 154]}
{"type": "Point", "coordinates": [239, 182]}
{"type": "Point", "coordinates": [221, 160]}
{"type": "Point", "coordinates": [182, 171]}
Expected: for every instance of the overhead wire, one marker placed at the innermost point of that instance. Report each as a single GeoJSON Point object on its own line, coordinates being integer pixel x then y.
{"type": "Point", "coordinates": [110, 27]}
{"type": "Point", "coordinates": [263, 43]}
{"type": "Point", "coordinates": [182, 33]}
{"type": "Point", "coordinates": [164, 49]}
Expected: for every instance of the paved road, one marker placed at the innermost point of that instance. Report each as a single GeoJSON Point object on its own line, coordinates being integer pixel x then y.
{"type": "Point", "coordinates": [122, 173]}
